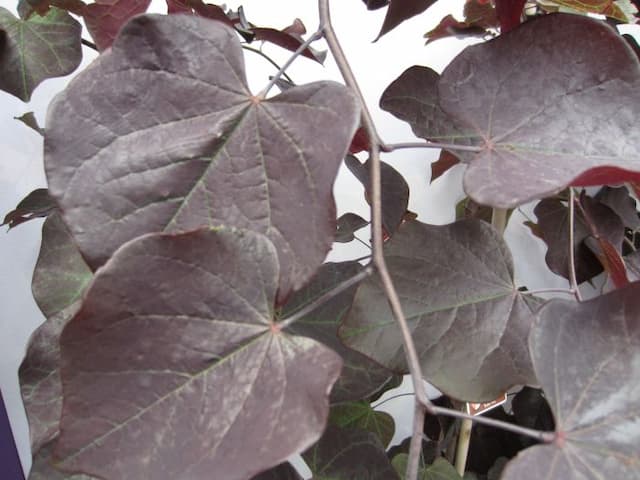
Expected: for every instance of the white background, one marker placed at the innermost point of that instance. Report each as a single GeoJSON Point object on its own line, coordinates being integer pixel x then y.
{"type": "Point", "coordinates": [375, 65]}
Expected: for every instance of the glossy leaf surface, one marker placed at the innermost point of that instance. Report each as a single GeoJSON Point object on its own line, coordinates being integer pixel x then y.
{"type": "Point", "coordinates": [208, 154]}
{"type": "Point", "coordinates": [594, 392]}
{"type": "Point", "coordinates": [59, 280]}
{"type": "Point", "coordinates": [360, 375]}
{"type": "Point", "coordinates": [560, 132]}
{"type": "Point", "coordinates": [36, 49]}
{"type": "Point", "coordinates": [105, 18]}
{"type": "Point", "coordinates": [186, 321]}
{"type": "Point", "coordinates": [471, 339]}
{"type": "Point", "coordinates": [346, 454]}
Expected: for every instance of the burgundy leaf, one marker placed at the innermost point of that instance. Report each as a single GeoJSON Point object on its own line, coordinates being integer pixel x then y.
{"type": "Point", "coordinates": [619, 200]}
{"type": "Point", "coordinates": [105, 18]}
{"type": "Point", "coordinates": [509, 13]}
{"type": "Point", "coordinates": [37, 48]}
{"type": "Point", "coordinates": [59, 280]}
{"type": "Point", "coordinates": [401, 10]}
{"type": "Point", "coordinates": [450, 27]}
{"type": "Point", "coordinates": [284, 471]}
{"type": "Point", "coordinates": [577, 129]}
{"type": "Point", "coordinates": [206, 10]}
{"type": "Point", "coordinates": [41, 7]}
{"type": "Point", "coordinates": [361, 376]}
{"type": "Point", "coordinates": [594, 391]}
{"type": "Point", "coordinates": [360, 141]}
{"type": "Point", "coordinates": [347, 225]}
{"type": "Point", "coordinates": [209, 154]}
{"type": "Point", "coordinates": [348, 453]}
{"type": "Point", "coordinates": [553, 225]}
{"type": "Point", "coordinates": [413, 97]}
{"type": "Point", "coordinates": [29, 119]}
{"type": "Point", "coordinates": [37, 204]}
{"type": "Point", "coordinates": [395, 191]}
{"type": "Point", "coordinates": [179, 6]}
{"type": "Point", "coordinates": [43, 469]}
{"type": "Point", "coordinates": [446, 161]}
{"type": "Point", "coordinates": [289, 38]}
{"type": "Point", "coordinates": [472, 337]}
{"type": "Point", "coordinates": [174, 366]}
{"type": "Point", "coordinates": [612, 262]}
{"type": "Point", "coordinates": [375, 4]}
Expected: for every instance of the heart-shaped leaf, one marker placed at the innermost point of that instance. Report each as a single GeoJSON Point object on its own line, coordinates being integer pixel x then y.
{"type": "Point", "coordinates": [594, 392]}
{"type": "Point", "coordinates": [36, 49]}
{"type": "Point", "coordinates": [361, 376]}
{"type": "Point", "coordinates": [619, 200]}
{"type": "Point", "coordinates": [289, 38]}
{"type": "Point", "coordinates": [42, 467]}
{"type": "Point", "coordinates": [208, 154]}
{"type": "Point", "coordinates": [59, 280]}
{"type": "Point", "coordinates": [105, 18]}
{"type": "Point", "coordinates": [468, 319]}
{"type": "Point", "coordinates": [578, 129]}
{"type": "Point", "coordinates": [413, 97]}
{"type": "Point", "coordinates": [186, 321]}
{"type": "Point", "coordinates": [348, 453]}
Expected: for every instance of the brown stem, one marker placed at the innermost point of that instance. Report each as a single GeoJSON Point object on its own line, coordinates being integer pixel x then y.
{"type": "Point", "coordinates": [572, 255]}
{"type": "Point", "coordinates": [422, 401]}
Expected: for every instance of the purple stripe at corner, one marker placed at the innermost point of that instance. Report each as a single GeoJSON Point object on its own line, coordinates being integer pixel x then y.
{"type": "Point", "coordinates": [10, 468]}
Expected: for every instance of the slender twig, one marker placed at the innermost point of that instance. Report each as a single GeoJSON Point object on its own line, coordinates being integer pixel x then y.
{"type": "Point", "coordinates": [359, 259]}
{"type": "Point", "coordinates": [268, 59]}
{"type": "Point", "coordinates": [362, 242]}
{"type": "Point", "coordinates": [422, 401]}
{"type": "Point", "coordinates": [541, 436]}
{"type": "Point", "coordinates": [572, 256]}
{"type": "Point", "coordinates": [566, 291]}
{"type": "Point", "coordinates": [90, 44]}
{"type": "Point", "coordinates": [464, 439]}
{"type": "Point", "coordinates": [390, 147]}
{"type": "Point", "coordinates": [400, 395]}
{"type": "Point", "coordinates": [325, 297]}
{"type": "Point", "coordinates": [312, 38]}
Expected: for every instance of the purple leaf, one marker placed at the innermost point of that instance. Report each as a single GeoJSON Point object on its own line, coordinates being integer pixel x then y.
{"type": "Point", "coordinates": [348, 224]}
{"type": "Point", "coordinates": [509, 13]}
{"type": "Point", "coordinates": [37, 204]}
{"type": "Point", "coordinates": [43, 469]}
{"type": "Point", "coordinates": [175, 368]}
{"type": "Point", "coordinates": [289, 38]}
{"type": "Point", "coordinates": [619, 200]}
{"type": "Point", "coordinates": [472, 337]}
{"type": "Point", "coordinates": [105, 18]}
{"type": "Point", "coordinates": [361, 376]}
{"type": "Point", "coordinates": [349, 453]}
{"type": "Point", "coordinates": [208, 154]}
{"type": "Point", "coordinates": [36, 49]}
{"type": "Point", "coordinates": [578, 129]}
{"type": "Point", "coordinates": [553, 223]}
{"type": "Point", "coordinates": [284, 471]}
{"type": "Point", "coordinates": [587, 358]}
{"type": "Point", "coordinates": [59, 280]}
{"type": "Point", "coordinates": [413, 97]}
{"type": "Point", "coordinates": [395, 190]}
{"type": "Point", "coordinates": [375, 4]}
{"type": "Point", "coordinates": [401, 10]}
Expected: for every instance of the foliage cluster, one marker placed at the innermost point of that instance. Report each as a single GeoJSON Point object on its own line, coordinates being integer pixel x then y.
{"type": "Point", "coordinates": [192, 328]}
